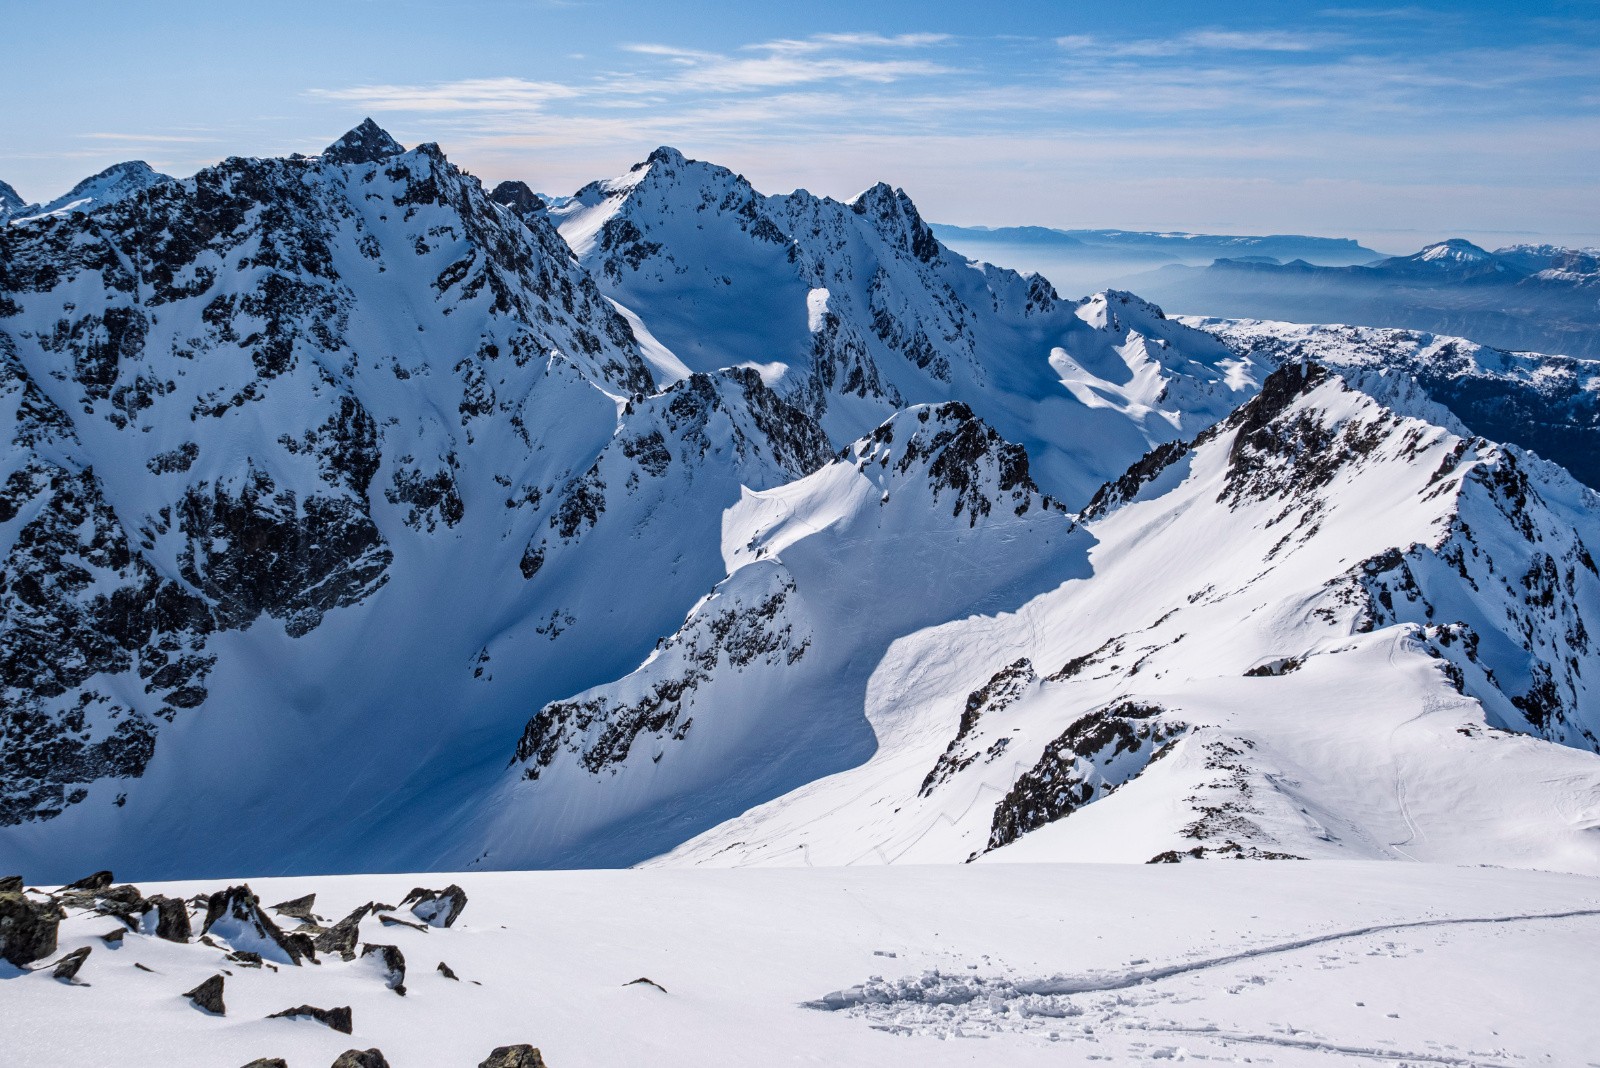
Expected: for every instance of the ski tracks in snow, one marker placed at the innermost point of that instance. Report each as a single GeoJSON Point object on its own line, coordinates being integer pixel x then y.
{"type": "Point", "coordinates": [952, 1004]}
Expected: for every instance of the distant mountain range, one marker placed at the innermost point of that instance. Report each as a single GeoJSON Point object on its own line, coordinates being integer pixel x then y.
{"type": "Point", "coordinates": [1525, 297]}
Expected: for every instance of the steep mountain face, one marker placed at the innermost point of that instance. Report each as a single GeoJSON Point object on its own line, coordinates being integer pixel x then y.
{"type": "Point", "coordinates": [854, 310]}
{"type": "Point", "coordinates": [10, 201]}
{"type": "Point", "coordinates": [1327, 627]}
{"type": "Point", "coordinates": [929, 518]}
{"type": "Point", "coordinates": [1548, 404]}
{"type": "Point", "coordinates": [1521, 299]}
{"type": "Point", "coordinates": [311, 445]}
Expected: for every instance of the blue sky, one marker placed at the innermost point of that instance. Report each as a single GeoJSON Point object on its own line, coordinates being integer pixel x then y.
{"type": "Point", "coordinates": [1394, 123]}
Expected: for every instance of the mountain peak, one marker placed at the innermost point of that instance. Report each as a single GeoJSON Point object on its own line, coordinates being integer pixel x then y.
{"type": "Point", "coordinates": [1456, 249]}
{"type": "Point", "coordinates": [518, 197]}
{"type": "Point", "coordinates": [366, 143]}
{"type": "Point", "coordinates": [9, 199]}
{"type": "Point", "coordinates": [666, 154]}
{"type": "Point", "coordinates": [897, 217]}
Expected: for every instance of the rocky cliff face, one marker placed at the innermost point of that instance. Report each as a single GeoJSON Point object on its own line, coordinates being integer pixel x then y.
{"type": "Point", "coordinates": [224, 397]}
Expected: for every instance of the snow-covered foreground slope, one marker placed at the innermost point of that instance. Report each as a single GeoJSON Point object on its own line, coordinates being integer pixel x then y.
{"type": "Point", "coordinates": [1284, 964]}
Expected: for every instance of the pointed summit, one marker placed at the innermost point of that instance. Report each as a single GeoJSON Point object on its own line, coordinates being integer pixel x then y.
{"type": "Point", "coordinates": [515, 195]}
{"type": "Point", "coordinates": [9, 199]}
{"type": "Point", "coordinates": [367, 143]}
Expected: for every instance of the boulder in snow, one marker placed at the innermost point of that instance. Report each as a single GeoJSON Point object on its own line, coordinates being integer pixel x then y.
{"type": "Point", "coordinates": [437, 908]}
{"type": "Point", "coordinates": [27, 928]}
{"type": "Point", "coordinates": [520, 1056]}
{"type": "Point", "coordinates": [208, 996]}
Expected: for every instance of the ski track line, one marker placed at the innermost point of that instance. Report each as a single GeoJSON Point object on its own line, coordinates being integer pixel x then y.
{"type": "Point", "coordinates": [1061, 984]}
{"type": "Point", "coordinates": [1316, 1046]}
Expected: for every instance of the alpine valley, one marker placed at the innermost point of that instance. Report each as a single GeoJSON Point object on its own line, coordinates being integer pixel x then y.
{"type": "Point", "coordinates": [356, 518]}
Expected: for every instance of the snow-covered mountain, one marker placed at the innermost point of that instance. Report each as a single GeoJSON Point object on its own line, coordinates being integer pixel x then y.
{"type": "Point", "coordinates": [1549, 404]}
{"type": "Point", "coordinates": [355, 517]}
{"type": "Point", "coordinates": [853, 311]}
{"type": "Point", "coordinates": [117, 182]}
{"type": "Point", "coordinates": [1327, 627]}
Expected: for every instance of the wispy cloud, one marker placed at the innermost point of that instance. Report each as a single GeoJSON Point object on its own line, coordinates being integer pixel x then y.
{"type": "Point", "coordinates": [149, 139]}
{"type": "Point", "coordinates": [472, 94]}
{"type": "Point", "coordinates": [1202, 41]}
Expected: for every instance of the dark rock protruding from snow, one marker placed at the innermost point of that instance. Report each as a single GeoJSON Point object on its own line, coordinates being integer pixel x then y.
{"type": "Point", "coordinates": [208, 996]}
{"type": "Point", "coordinates": [437, 908]}
{"type": "Point", "coordinates": [341, 938]}
{"type": "Point", "coordinates": [519, 1056]}
{"type": "Point", "coordinates": [236, 914]}
{"type": "Point", "coordinates": [10, 884]}
{"type": "Point", "coordinates": [361, 1058]}
{"type": "Point", "coordinates": [337, 1018]}
{"type": "Point", "coordinates": [367, 143]}
{"type": "Point", "coordinates": [298, 909]}
{"type": "Point", "coordinates": [67, 967]}
{"type": "Point", "coordinates": [268, 1062]}
{"type": "Point", "coordinates": [393, 963]}
{"type": "Point", "coordinates": [1098, 753]}
{"type": "Point", "coordinates": [446, 971]}
{"type": "Point", "coordinates": [172, 918]}
{"type": "Point", "coordinates": [10, 200]}
{"type": "Point", "coordinates": [27, 928]}
{"type": "Point", "coordinates": [522, 201]}
{"type": "Point", "coordinates": [100, 880]}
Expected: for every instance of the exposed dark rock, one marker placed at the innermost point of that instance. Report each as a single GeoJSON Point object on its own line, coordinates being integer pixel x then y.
{"type": "Point", "coordinates": [67, 967]}
{"type": "Point", "coordinates": [361, 1058]}
{"type": "Point", "coordinates": [519, 1056]}
{"type": "Point", "coordinates": [1081, 764]}
{"type": "Point", "coordinates": [11, 884]}
{"type": "Point", "coordinates": [115, 936]}
{"type": "Point", "coordinates": [208, 996]}
{"type": "Point", "coordinates": [367, 143]}
{"type": "Point", "coordinates": [444, 970]}
{"type": "Point", "coordinates": [393, 963]}
{"type": "Point", "coordinates": [244, 958]}
{"type": "Point", "coordinates": [172, 918]}
{"type": "Point", "coordinates": [437, 908]}
{"type": "Point", "coordinates": [395, 921]}
{"type": "Point", "coordinates": [342, 937]}
{"type": "Point", "coordinates": [522, 201]}
{"type": "Point", "coordinates": [337, 1018]}
{"type": "Point", "coordinates": [27, 928]}
{"type": "Point", "coordinates": [268, 1062]}
{"type": "Point", "coordinates": [100, 880]}
{"type": "Point", "coordinates": [237, 912]}
{"type": "Point", "coordinates": [299, 908]}
{"type": "Point", "coordinates": [645, 981]}
{"type": "Point", "coordinates": [1002, 690]}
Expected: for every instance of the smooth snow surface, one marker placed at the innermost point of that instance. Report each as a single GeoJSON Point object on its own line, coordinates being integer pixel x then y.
{"type": "Point", "coordinates": [1282, 964]}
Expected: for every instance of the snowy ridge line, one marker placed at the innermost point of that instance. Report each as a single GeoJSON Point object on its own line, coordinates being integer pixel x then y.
{"type": "Point", "coordinates": [967, 990]}
{"type": "Point", "coordinates": [1317, 1046]}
